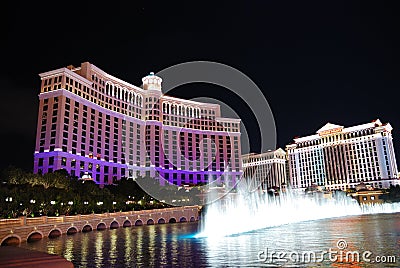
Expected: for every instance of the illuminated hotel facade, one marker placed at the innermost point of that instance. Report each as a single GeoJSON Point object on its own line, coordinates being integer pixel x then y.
{"type": "Point", "coordinates": [266, 170]}
{"type": "Point", "coordinates": [94, 124]}
{"type": "Point", "coordinates": [338, 157]}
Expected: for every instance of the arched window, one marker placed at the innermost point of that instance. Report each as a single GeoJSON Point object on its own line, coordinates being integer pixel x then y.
{"type": "Point", "coordinates": [109, 88]}
{"type": "Point", "coordinates": [140, 101]}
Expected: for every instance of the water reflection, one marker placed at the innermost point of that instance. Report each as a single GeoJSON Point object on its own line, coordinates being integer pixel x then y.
{"type": "Point", "coordinates": [113, 247]}
{"type": "Point", "coordinates": [128, 245]}
{"type": "Point", "coordinates": [99, 248]}
{"type": "Point", "coordinates": [173, 245]}
{"type": "Point", "coordinates": [84, 249]}
{"type": "Point", "coordinates": [151, 247]}
{"type": "Point", "coordinates": [69, 249]}
{"type": "Point", "coordinates": [138, 239]}
{"type": "Point", "coordinates": [162, 250]}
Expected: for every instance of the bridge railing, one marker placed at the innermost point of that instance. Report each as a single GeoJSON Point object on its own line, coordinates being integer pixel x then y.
{"type": "Point", "coordinates": [11, 222]}
{"type": "Point", "coordinates": [55, 219]}
{"type": "Point", "coordinates": [23, 220]}
{"type": "Point", "coordinates": [35, 221]}
{"type": "Point", "coordinates": [87, 217]}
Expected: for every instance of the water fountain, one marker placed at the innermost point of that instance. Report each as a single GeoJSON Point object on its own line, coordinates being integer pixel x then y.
{"type": "Point", "coordinates": [251, 210]}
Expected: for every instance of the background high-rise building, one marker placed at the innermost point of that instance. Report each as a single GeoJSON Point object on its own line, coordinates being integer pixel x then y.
{"type": "Point", "coordinates": [339, 158]}
{"type": "Point", "coordinates": [265, 171]}
{"type": "Point", "coordinates": [93, 124]}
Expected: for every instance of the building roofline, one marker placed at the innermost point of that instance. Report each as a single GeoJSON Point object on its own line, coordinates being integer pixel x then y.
{"type": "Point", "coordinates": [94, 67]}
{"type": "Point", "coordinates": [168, 97]}
{"type": "Point", "coordinates": [373, 124]}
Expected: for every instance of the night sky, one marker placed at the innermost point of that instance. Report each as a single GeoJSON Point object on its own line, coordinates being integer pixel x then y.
{"type": "Point", "coordinates": [316, 62]}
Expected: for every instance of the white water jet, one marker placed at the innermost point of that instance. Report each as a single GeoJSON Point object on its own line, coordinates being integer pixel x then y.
{"type": "Point", "coordinates": [245, 211]}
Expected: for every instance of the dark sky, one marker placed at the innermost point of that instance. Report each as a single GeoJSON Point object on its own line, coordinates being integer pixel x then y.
{"type": "Point", "coordinates": [316, 61]}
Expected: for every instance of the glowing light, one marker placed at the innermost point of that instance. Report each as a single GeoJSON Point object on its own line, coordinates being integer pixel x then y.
{"type": "Point", "coordinates": [246, 212]}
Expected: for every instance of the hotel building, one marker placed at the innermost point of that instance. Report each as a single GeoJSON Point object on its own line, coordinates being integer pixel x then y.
{"type": "Point", "coordinates": [266, 170]}
{"type": "Point", "coordinates": [93, 124]}
{"type": "Point", "coordinates": [338, 157]}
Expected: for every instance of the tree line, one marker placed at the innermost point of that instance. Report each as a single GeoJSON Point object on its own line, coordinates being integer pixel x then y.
{"type": "Point", "coordinates": [52, 194]}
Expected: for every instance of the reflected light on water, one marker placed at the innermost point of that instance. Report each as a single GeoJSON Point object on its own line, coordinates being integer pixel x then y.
{"type": "Point", "coordinates": [173, 245]}
{"type": "Point", "coordinates": [139, 243]}
{"type": "Point", "coordinates": [99, 248]}
{"type": "Point", "coordinates": [128, 245]}
{"type": "Point", "coordinates": [50, 249]}
{"type": "Point", "coordinates": [84, 249]}
{"type": "Point", "coordinates": [163, 247]}
{"type": "Point", "coordinates": [150, 247]}
{"type": "Point", "coordinates": [69, 249]}
{"type": "Point", "coordinates": [113, 246]}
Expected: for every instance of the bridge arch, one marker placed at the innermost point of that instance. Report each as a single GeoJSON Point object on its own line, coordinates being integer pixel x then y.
{"type": "Point", "coordinates": [127, 223]}
{"type": "Point", "coordinates": [87, 228]}
{"type": "Point", "coordinates": [150, 222]}
{"type": "Point", "coordinates": [172, 220]}
{"type": "Point", "coordinates": [138, 222]}
{"type": "Point", "coordinates": [192, 219]}
{"type": "Point", "coordinates": [101, 226]}
{"type": "Point", "coordinates": [114, 225]}
{"type": "Point", "coordinates": [11, 240]}
{"type": "Point", "coordinates": [183, 219]}
{"type": "Point", "coordinates": [34, 236]}
{"type": "Point", "coordinates": [161, 221]}
{"type": "Point", "coordinates": [56, 232]}
{"type": "Point", "coordinates": [72, 230]}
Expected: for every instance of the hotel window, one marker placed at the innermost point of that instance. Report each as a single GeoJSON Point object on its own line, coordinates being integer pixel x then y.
{"type": "Point", "coordinates": [51, 161]}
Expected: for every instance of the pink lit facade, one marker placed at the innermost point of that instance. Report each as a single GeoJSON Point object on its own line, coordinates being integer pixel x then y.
{"type": "Point", "coordinates": [94, 124]}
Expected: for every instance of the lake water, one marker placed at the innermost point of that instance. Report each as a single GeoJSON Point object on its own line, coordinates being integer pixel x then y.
{"type": "Point", "coordinates": [373, 237]}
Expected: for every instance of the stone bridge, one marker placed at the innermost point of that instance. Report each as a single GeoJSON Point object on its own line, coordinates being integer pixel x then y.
{"type": "Point", "coordinates": [15, 231]}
